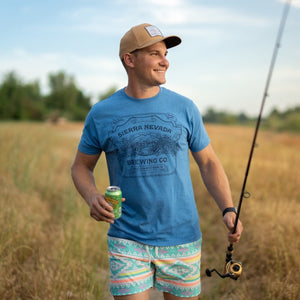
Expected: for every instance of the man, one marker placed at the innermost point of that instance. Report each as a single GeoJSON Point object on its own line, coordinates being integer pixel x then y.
{"type": "Point", "coordinates": [146, 132]}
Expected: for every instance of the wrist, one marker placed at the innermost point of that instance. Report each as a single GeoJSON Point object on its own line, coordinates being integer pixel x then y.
{"type": "Point", "coordinates": [229, 209]}
{"type": "Point", "coordinates": [92, 196]}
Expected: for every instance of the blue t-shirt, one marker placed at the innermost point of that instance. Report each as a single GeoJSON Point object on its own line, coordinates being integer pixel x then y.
{"type": "Point", "coordinates": [146, 143]}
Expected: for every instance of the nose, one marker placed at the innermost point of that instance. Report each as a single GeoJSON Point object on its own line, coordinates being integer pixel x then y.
{"type": "Point", "coordinates": [164, 62]}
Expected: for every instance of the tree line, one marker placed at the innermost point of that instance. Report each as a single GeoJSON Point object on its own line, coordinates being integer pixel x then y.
{"type": "Point", "coordinates": [24, 101]}
{"type": "Point", "coordinates": [288, 120]}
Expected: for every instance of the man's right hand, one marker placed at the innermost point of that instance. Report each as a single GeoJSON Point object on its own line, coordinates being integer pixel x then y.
{"type": "Point", "coordinates": [100, 210]}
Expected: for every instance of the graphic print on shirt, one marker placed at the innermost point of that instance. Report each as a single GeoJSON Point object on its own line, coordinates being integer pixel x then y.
{"type": "Point", "coordinates": [147, 144]}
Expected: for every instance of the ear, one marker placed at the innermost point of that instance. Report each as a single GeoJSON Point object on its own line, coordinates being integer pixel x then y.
{"type": "Point", "coordinates": [129, 60]}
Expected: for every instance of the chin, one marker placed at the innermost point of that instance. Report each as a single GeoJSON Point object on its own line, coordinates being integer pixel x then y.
{"type": "Point", "coordinates": [159, 82]}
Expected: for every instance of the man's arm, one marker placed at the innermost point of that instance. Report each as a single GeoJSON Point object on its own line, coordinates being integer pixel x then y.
{"type": "Point", "coordinates": [217, 184]}
{"type": "Point", "coordinates": [84, 181]}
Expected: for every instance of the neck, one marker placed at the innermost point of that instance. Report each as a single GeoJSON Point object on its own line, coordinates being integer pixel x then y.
{"type": "Point", "coordinates": [141, 93]}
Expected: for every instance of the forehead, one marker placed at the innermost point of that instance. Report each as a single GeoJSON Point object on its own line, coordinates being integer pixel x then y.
{"type": "Point", "coordinates": [160, 46]}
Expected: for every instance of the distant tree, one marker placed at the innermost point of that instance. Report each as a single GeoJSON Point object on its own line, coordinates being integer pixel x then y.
{"type": "Point", "coordinates": [293, 121]}
{"type": "Point", "coordinates": [63, 92]}
{"type": "Point", "coordinates": [10, 94]}
{"type": "Point", "coordinates": [242, 118]}
{"type": "Point", "coordinates": [33, 106]}
{"type": "Point", "coordinates": [111, 90]}
{"type": "Point", "coordinates": [65, 99]}
{"type": "Point", "coordinates": [210, 116]}
{"type": "Point", "coordinates": [288, 120]}
{"type": "Point", "coordinates": [222, 117]}
{"type": "Point", "coordinates": [81, 107]}
{"type": "Point", "coordinates": [19, 101]}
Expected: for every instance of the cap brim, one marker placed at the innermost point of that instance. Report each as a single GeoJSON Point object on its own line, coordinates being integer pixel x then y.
{"type": "Point", "coordinates": [172, 41]}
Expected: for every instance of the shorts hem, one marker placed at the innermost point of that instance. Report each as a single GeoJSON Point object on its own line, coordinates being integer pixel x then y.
{"type": "Point", "coordinates": [127, 293]}
{"type": "Point", "coordinates": [179, 294]}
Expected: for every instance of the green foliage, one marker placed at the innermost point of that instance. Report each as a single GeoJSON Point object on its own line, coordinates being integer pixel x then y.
{"type": "Point", "coordinates": [65, 99]}
{"type": "Point", "coordinates": [107, 93]}
{"type": "Point", "coordinates": [288, 120]}
{"type": "Point", "coordinates": [222, 117]}
{"type": "Point", "coordinates": [24, 101]}
{"type": "Point", "coordinates": [19, 101]}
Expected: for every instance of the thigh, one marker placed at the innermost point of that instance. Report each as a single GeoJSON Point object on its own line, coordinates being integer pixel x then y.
{"type": "Point", "coordinates": [168, 296]}
{"type": "Point", "coordinates": [140, 296]}
{"type": "Point", "coordinates": [130, 269]}
{"type": "Point", "coordinates": [178, 271]}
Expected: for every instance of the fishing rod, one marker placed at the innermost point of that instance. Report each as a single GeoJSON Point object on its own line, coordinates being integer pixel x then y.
{"type": "Point", "coordinates": [233, 269]}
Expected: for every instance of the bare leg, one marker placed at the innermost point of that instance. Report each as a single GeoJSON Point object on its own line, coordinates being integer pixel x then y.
{"type": "Point", "coordinates": [140, 296]}
{"type": "Point", "coordinates": [168, 296]}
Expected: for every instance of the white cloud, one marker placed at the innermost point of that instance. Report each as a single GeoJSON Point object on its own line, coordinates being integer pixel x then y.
{"type": "Point", "coordinates": [295, 3]}
{"type": "Point", "coordinates": [93, 73]}
{"type": "Point", "coordinates": [154, 4]}
{"type": "Point", "coordinates": [200, 14]}
{"type": "Point", "coordinates": [177, 12]}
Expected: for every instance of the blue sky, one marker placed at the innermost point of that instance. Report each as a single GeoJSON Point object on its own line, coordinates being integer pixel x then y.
{"type": "Point", "coordinates": [222, 62]}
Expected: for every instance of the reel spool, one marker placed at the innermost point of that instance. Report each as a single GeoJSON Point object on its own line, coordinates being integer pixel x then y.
{"type": "Point", "coordinates": [233, 270]}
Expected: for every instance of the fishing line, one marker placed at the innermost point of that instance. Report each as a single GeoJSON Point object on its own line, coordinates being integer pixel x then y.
{"type": "Point", "coordinates": [233, 269]}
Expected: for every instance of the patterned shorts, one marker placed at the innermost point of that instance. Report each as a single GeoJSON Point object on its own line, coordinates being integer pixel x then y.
{"type": "Point", "coordinates": [135, 267]}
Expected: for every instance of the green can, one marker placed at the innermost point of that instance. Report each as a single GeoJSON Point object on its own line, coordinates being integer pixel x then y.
{"type": "Point", "coordinates": [113, 196]}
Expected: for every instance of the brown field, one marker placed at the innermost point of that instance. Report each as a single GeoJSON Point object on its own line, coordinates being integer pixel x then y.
{"type": "Point", "coordinates": [51, 249]}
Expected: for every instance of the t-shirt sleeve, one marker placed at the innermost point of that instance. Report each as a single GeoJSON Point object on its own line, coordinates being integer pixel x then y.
{"type": "Point", "coordinates": [198, 138]}
{"type": "Point", "coordinates": [89, 142]}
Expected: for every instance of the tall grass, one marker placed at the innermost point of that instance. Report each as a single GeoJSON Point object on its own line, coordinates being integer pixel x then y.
{"type": "Point", "coordinates": [51, 249]}
{"type": "Point", "coordinates": [270, 246]}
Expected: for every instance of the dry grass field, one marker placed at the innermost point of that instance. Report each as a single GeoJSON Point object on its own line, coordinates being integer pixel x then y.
{"type": "Point", "coordinates": [51, 249]}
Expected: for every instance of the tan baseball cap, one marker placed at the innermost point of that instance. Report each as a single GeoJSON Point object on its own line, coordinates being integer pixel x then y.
{"type": "Point", "coordinates": [145, 35]}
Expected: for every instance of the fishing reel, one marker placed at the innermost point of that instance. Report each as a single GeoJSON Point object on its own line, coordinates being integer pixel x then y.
{"type": "Point", "coordinates": [232, 269]}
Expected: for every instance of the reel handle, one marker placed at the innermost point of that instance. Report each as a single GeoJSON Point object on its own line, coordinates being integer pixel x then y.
{"type": "Point", "coordinates": [233, 270]}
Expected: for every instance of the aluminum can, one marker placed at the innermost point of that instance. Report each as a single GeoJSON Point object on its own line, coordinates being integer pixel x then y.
{"type": "Point", "coordinates": [113, 196]}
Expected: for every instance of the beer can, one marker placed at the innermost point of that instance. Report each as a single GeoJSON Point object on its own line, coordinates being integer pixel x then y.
{"type": "Point", "coordinates": [113, 196]}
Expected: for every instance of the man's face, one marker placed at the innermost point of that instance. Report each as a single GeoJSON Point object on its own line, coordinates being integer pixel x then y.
{"type": "Point", "coordinates": [150, 65]}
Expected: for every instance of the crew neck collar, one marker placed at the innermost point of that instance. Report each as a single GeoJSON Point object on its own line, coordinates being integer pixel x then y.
{"type": "Point", "coordinates": [143, 99]}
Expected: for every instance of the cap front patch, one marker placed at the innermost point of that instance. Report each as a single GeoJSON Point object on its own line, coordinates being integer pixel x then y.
{"type": "Point", "coordinates": [153, 31]}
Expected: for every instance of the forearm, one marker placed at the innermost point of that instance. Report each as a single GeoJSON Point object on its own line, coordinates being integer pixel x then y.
{"type": "Point", "coordinates": [84, 182]}
{"type": "Point", "coordinates": [217, 184]}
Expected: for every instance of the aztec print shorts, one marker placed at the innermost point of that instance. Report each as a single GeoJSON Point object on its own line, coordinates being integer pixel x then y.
{"type": "Point", "coordinates": [135, 267]}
